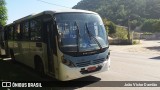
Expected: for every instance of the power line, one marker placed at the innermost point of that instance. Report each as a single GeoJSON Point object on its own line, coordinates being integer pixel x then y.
{"type": "Point", "coordinates": [52, 4]}
{"type": "Point", "coordinates": [66, 1]}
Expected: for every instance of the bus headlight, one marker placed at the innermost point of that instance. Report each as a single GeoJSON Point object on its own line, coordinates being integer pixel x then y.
{"type": "Point", "coordinates": [67, 62]}
{"type": "Point", "coordinates": [107, 57]}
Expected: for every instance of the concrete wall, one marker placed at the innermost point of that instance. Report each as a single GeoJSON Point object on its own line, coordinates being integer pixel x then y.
{"type": "Point", "coordinates": [155, 36]}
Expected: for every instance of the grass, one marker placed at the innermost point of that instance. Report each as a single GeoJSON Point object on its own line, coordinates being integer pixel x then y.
{"type": "Point", "coordinates": [135, 42]}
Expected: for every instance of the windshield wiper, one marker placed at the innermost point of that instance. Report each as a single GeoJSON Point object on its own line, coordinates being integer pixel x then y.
{"type": "Point", "coordinates": [91, 35]}
{"type": "Point", "coordinates": [78, 36]}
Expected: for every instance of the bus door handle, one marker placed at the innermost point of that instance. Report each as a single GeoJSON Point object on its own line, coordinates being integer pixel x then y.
{"type": "Point", "coordinates": [38, 44]}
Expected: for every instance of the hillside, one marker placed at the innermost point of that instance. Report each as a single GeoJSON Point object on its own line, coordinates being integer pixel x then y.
{"type": "Point", "coordinates": [120, 11]}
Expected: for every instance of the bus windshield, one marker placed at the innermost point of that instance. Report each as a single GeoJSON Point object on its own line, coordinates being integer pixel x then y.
{"type": "Point", "coordinates": [81, 32]}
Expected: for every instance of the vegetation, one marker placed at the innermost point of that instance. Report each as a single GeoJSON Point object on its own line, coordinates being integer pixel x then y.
{"type": "Point", "coordinates": [119, 33]}
{"type": "Point", "coordinates": [3, 13]}
{"type": "Point", "coordinates": [136, 42]}
{"type": "Point", "coordinates": [115, 31]}
{"type": "Point", "coordinates": [110, 26]}
{"type": "Point", "coordinates": [123, 11]}
{"type": "Point", "coordinates": [151, 25]}
{"type": "Point", "coordinates": [122, 33]}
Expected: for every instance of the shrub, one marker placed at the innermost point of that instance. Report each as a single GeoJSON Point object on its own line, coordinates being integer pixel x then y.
{"type": "Point", "coordinates": [121, 33]}
{"type": "Point", "coordinates": [151, 25]}
{"type": "Point", "coordinates": [110, 26]}
{"type": "Point", "coordinates": [136, 42]}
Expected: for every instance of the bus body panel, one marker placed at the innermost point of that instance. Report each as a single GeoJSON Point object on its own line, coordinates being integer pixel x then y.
{"type": "Point", "coordinates": [11, 44]}
{"type": "Point", "coordinates": [17, 53]}
{"type": "Point", "coordinates": [35, 51]}
{"type": "Point", "coordinates": [25, 52]}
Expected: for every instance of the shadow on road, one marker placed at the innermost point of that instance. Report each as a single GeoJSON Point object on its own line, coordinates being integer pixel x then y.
{"type": "Point", "coordinates": [14, 71]}
{"type": "Point", "coordinates": [156, 48]}
{"type": "Point", "coordinates": [157, 58]}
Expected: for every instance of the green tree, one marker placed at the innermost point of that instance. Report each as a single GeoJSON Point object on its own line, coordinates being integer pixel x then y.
{"type": "Point", "coordinates": [151, 25]}
{"type": "Point", "coordinates": [110, 26]}
{"type": "Point", "coordinates": [122, 11]}
{"type": "Point", "coordinates": [3, 12]}
{"type": "Point", "coordinates": [121, 33]}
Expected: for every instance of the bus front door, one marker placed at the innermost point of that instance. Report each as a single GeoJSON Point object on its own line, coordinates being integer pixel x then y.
{"type": "Point", "coordinates": [50, 43]}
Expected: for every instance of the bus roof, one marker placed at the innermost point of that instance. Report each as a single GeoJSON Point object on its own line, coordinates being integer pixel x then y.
{"type": "Point", "coordinates": [10, 24]}
{"type": "Point", "coordinates": [53, 12]}
{"type": "Point", "coordinates": [73, 10]}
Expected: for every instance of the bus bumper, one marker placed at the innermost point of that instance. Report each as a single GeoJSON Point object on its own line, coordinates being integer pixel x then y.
{"type": "Point", "coordinates": [67, 73]}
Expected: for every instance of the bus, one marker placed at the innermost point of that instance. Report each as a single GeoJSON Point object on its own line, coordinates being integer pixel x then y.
{"type": "Point", "coordinates": [64, 44]}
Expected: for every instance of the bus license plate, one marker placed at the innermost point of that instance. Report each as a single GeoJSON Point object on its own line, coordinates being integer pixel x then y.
{"type": "Point", "coordinates": [91, 68]}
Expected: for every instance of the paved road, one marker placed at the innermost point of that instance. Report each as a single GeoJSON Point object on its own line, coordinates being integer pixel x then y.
{"type": "Point", "coordinates": [130, 67]}
{"type": "Point", "coordinates": [124, 67]}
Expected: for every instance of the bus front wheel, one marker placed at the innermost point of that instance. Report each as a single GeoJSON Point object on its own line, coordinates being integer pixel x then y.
{"type": "Point", "coordinates": [39, 66]}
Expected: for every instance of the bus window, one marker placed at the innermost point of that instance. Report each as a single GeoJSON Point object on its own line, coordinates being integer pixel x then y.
{"type": "Point", "coordinates": [25, 31]}
{"type": "Point", "coordinates": [17, 32]}
{"type": "Point", "coordinates": [35, 26]}
{"type": "Point", "coordinates": [89, 29]}
{"type": "Point", "coordinates": [10, 37]}
{"type": "Point", "coordinates": [67, 31]}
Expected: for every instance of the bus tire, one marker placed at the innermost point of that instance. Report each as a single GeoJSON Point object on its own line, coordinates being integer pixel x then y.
{"type": "Point", "coordinates": [12, 55]}
{"type": "Point", "coordinates": [39, 67]}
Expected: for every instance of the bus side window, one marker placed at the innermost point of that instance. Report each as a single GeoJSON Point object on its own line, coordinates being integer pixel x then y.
{"type": "Point", "coordinates": [17, 32]}
{"type": "Point", "coordinates": [10, 33]}
{"type": "Point", "coordinates": [25, 30]}
{"type": "Point", "coordinates": [5, 33]}
{"type": "Point", "coordinates": [35, 27]}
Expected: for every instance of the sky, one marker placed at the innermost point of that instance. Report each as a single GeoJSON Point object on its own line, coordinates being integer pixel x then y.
{"type": "Point", "coordinates": [21, 8]}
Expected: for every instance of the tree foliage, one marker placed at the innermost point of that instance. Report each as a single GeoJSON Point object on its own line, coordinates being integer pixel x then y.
{"type": "Point", "coordinates": [121, 11]}
{"type": "Point", "coordinates": [151, 25]}
{"type": "Point", "coordinates": [121, 33]}
{"type": "Point", "coordinates": [110, 26]}
{"type": "Point", "coordinates": [3, 13]}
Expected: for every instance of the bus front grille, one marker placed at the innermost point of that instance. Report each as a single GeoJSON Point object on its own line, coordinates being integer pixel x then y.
{"type": "Point", "coordinates": [98, 61]}
{"type": "Point", "coordinates": [83, 64]}
{"type": "Point", "coordinates": [87, 63]}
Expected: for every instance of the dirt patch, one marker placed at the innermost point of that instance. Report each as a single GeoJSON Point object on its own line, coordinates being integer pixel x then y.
{"type": "Point", "coordinates": [146, 47]}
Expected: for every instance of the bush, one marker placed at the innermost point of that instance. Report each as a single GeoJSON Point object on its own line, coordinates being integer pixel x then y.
{"type": "Point", "coordinates": [110, 26]}
{"type": "Point", "coordinates": [121, 36]}
{"type": "Point", "coordinates": [151, 25]}
{"type": "Point", "coordinates": [136, 42]}
{"type": "Point", "coordinates": [121, 33]}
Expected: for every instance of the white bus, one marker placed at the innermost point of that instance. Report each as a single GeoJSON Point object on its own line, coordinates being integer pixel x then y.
{"type": "Point", "coordinates": [65, 45]}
